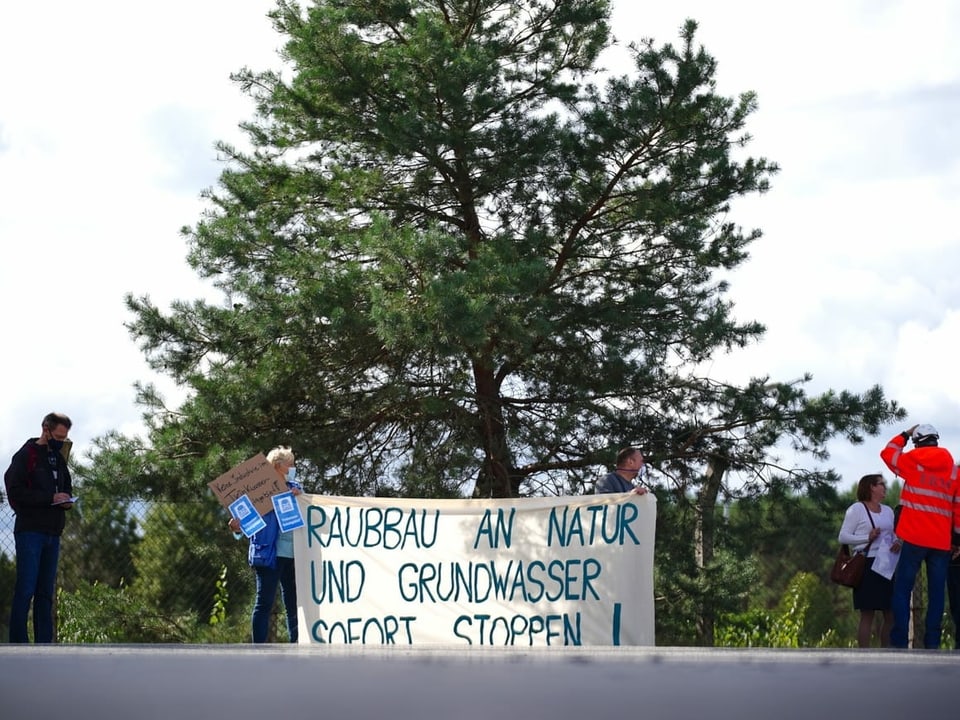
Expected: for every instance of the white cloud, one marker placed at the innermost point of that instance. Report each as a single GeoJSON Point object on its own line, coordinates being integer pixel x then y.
{"type": "Point", "coordinates": [108, 118]}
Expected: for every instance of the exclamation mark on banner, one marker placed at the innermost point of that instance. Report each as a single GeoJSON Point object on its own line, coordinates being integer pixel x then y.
{"type": "Point", "coordinates": [616, 623]}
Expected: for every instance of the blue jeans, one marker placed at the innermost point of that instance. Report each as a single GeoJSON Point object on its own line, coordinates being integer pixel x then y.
{"type": "Point", "coordinates": [937, 561]}
{"type": "Point", "coordinates": [37, 557]}
{"type": "Point", "coordinates": [267, 581]}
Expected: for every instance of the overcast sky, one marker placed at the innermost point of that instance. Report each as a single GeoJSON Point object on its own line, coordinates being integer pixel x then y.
{"type": "Point", "coordinates": [109, 112]}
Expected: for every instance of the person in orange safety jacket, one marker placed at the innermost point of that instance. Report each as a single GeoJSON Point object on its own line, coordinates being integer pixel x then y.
{"type": "Point", "coordinates": [928, 525]}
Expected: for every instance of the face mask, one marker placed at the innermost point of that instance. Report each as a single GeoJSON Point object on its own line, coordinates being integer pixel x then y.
{"type": "Point", "coordinates": [291, 475]}
{"type": "Point", "coordinates": [55, 445]}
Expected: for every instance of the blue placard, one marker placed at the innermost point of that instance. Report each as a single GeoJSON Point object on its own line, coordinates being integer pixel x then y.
{"type": "Point", "coordinates": [288, 512]}
{"type": "Point", "coordinates": [244, 511]}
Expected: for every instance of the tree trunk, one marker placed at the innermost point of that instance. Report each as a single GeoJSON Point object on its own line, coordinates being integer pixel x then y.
{"type": "Point", "coordinates": [704, 532]}
{"type": "Point", "coordinates": [497, 477]}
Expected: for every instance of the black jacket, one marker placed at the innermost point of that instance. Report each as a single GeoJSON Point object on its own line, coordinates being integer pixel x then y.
{"type": "Point", "coordinates": [31, 485]}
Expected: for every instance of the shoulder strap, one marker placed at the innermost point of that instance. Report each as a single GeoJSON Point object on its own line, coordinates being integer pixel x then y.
{"type": "Point", "coordinates": [872, 524]}
{"type": "Point", "coordinates": [31, 459]}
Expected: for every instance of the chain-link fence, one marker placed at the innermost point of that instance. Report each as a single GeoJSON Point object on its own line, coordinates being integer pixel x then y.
{"type": "Point", "coordinates": [143, 572]}
{"type": "Point", "coordinates": [160, 572]}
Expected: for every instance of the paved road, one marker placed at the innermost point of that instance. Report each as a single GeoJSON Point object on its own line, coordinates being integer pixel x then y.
{"type": "Point", "coordinates": [277, 682]}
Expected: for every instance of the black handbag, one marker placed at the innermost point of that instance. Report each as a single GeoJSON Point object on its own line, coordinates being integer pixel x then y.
{"type": "Point", "coordinates": [848, 568]}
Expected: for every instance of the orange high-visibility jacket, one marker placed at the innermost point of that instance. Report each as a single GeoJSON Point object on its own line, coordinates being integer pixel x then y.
{"type": "Point", "coordinates": [930, 498]}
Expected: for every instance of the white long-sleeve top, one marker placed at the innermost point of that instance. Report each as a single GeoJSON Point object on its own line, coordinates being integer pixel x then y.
{"type": "Point", "coordinates": [856, 527]}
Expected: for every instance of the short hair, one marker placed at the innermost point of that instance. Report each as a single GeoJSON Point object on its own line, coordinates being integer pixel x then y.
{"type": "Point", "coordinates": [53, 420]}
{"type": "Point", "coordinates": [626, 453]}
{"type": "Point", "coordinates": [866, 482]}
{"type": "Point", "coordinates": [280, 454]}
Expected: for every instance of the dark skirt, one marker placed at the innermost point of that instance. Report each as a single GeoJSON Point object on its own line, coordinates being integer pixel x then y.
{"type": "Point", "coordinates": [875, 591]}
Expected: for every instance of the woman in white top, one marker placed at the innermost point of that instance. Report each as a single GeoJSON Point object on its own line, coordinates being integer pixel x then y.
{"type": "Point", "coordinates": [875, 592]}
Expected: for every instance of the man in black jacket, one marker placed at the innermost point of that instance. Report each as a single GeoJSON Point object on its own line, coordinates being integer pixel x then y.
{"type": "Point", "coordinates": [39, 490]}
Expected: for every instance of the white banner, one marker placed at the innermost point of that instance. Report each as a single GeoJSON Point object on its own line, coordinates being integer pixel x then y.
{"type": "Point", "coordinates": [517, 572]}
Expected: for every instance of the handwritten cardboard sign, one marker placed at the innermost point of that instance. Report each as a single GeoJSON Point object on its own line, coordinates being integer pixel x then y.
{"type": "Point", "coordinates": [255, 478]}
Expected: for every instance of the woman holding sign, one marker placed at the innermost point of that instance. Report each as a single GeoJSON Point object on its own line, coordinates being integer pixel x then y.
{"type": "Point", "coordinates": [271, 556]}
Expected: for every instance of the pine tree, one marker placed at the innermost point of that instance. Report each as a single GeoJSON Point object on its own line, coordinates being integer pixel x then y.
{"type": "Point", "coordinates": [460, 258]}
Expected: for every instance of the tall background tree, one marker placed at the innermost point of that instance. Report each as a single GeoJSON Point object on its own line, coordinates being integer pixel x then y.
{"type": "Point", "coordinates": [459, 257]}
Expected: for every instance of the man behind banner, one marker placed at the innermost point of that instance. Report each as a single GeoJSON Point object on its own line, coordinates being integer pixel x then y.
{"type": "Point", "coordinates": [630, 466]}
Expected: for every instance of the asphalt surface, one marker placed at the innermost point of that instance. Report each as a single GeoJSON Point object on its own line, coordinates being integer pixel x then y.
{"type": "Point", "coordinates": [273, 682]}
